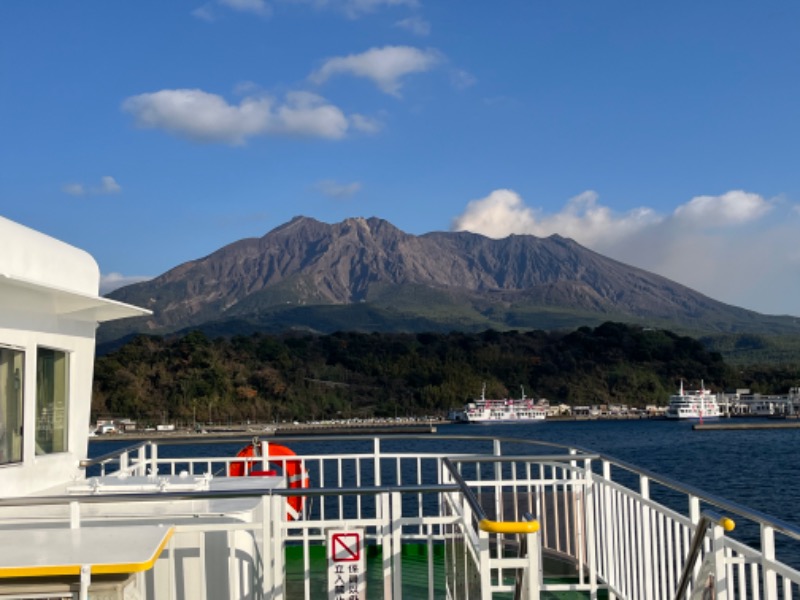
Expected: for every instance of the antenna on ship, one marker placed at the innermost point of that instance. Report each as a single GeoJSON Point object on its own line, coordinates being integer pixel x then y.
{"type": "Point", "coordinates": [522, 387]}
{"type": "Point", "coordinates": [681, 390]}
{"type": "Point", "coordinates": [483, 391]}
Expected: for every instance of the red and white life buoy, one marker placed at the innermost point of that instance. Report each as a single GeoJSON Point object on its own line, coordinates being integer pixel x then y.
{"type": "Point", "coordinates": [296, 475]}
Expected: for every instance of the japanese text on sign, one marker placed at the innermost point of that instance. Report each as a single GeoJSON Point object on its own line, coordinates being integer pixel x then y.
{"type": "Point", "coordinates": [347, 573]}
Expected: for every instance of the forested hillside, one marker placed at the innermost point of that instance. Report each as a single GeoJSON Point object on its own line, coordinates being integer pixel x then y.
{"type": "Point", "coordinates": [309, 377]}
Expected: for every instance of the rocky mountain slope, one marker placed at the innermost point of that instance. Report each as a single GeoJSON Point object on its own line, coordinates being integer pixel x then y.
{"type": "Point", "coordinates": [366, 274]}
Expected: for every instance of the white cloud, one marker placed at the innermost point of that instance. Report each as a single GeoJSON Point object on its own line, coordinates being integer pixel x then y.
{"type": "Point", "coordinates": [73, 189]}
{"type": "Point", "coordinates": [352, 9]}
{"type": "Point", "coordinates": [112, 281]}
{"type": "Point", "coordinates": [462, 79]}
{"type": "Point", "coordinates": [204, 13]}
{"type": "Point", "coordinates": [207, 13]}
{"type": "Point", "coordinates": [108, 185]}
{"type": "Point", "coordinates": [732, 208]}
{"type": "Point", "coordinates": [357, 8]}
{"type": "Point", "coordinates": [723, 246]}
{"type": "Point", "coordinates": [338, 190]}
{"type": "Point", "coordinates": [385, 66]}
{"type": "Point", "coordinates": [365, 124]}
{"type": "Point", "coordinates": [307, 114]}
{"type": "Point", "coordinates": [203, 117]}
{"type": "Point", "coordinates": [257, 7]}
{"type": "Point", "coordinates": [416, 25]}
{"type": "Point", "coordinates": [498, 215]}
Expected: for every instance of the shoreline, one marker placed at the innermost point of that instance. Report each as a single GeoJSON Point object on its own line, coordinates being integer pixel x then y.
{"type": "Point", "coordinates": [410, 427]}
{"type": "Point", "coordinates": [283, 430]}
{"type": "Point", "coordinates": [774, 424]}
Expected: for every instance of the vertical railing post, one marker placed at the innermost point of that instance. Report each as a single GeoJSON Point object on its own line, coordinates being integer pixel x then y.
{"type": "Point", "coordinates": [265, 457]}
{"type": "Point", "coordinates": [266, 548]}
{"type": "Point", "coordinates": [694, 517]}
{"type": "Point", "coordinates": [721, 585]}
{"type": "Point", "coordinates": [466, 524]}
{"type": "Point", "coordinates": [692, 564]}
{"type": "Point", "coordinates": [154, 459]}
{"type": "Point", "coordinates": [609, 524]}
{"type": "Point", "coordinates": [590, 534]}
{"type": "Point", "coordinates": [397, 546]}
{"type": "Point", "coordinates": [141, 464]}
{"type": "Point", "coordinates": [534, 566]}
{"type": "Point", "coordinates": [529, 582]}
{"type": "Point", "coordinates": [274, 525]}
{"type": "Point", "coordinates": [694, 509]}
{"type": "Point", "coordinates": [768, 556]}
{"type": "Point", "coordinates": [376, 449]}
{"type": "Point", "coordinates": [383, 503]}
{"type": "Point", "coordinates": [484, 567]}
{"type": "Point", "coordinates": [498, 481]}
{"type": "Point", "coordinates": [645, 550]}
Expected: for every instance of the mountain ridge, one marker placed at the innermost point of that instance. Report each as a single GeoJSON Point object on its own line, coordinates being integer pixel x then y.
{"type": "Point", "coordinates": [368, 263]}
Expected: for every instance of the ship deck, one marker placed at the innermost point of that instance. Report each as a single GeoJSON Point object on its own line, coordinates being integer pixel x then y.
{"type": "Point", "coordinates": [452, 517]}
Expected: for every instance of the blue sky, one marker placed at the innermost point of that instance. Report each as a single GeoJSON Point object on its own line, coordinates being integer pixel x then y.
{"type": "Point", "coordinates": [665, 135]}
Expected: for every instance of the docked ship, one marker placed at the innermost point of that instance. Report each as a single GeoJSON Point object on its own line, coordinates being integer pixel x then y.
{"type": "Point", "coordinates": [693, 404]}
{"type": "Point", "coordinates": [484, 410]}
{"type": "Point", "coordinates": [450, 517]}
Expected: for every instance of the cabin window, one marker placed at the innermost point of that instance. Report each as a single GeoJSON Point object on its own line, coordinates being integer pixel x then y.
{"type": "Point", "coordinates": [51, 401]}
{"type": "Point", "coordinates": [11, 378]}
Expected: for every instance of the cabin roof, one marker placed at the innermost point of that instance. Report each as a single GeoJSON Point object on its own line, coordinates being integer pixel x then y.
{"type": "Point", "coordinates": [48, 275]}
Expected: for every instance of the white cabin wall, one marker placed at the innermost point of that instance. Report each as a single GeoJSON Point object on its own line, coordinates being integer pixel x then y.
{"type": "Point", "coordinates": [49, 298]}
{"type": "Point", "coordinates": [28, 332]}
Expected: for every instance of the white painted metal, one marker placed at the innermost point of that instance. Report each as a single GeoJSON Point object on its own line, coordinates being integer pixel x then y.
{"type": "Point", "coordinates": [621, 539]}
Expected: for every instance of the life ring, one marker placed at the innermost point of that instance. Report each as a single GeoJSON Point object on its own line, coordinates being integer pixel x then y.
{"type": "Point", "coordinates": [296, 475]}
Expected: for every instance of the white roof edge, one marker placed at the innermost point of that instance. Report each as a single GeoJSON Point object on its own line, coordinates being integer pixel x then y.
{"type": "Point", "coordinates": [76, 304]}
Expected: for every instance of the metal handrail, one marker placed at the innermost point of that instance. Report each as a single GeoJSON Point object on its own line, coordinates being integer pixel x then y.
{"type": "Point", "coordinates": [484, 523]}
{"type": "Point", "coordinates": [707, 518]}
{"type": "Point", "coordinates": [728, 506]}
{"type": "Point", "coordinates": [519, 580]}
{"type": "Point", "coordinates": [59, 500]}
{"type": "Point", "coordinates": [109, 456]}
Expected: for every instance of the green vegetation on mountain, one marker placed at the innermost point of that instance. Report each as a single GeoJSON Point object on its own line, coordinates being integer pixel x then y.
{"type": "Point", "coordinates": [342, 375]}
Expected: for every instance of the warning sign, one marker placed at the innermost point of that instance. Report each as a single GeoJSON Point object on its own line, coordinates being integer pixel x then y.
{"type": "Point", "coordinates": [346, 546]}
{"type": "Point", "coordinates": [347, 565]}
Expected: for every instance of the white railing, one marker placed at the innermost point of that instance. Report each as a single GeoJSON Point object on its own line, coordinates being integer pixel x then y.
{"type": "Point", "coordinates": [605, 525]}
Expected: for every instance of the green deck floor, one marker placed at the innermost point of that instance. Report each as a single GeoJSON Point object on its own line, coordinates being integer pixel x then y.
{"type": "Point", "coordinates": [415, 585]}
{"type": "Point", "coordinates": [414, 566]}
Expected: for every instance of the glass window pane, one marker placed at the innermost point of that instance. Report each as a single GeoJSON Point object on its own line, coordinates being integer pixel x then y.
{"type": "Point", "coordinates": [51, 401]}
{"type": "Point", "coordinates": [11, 378]}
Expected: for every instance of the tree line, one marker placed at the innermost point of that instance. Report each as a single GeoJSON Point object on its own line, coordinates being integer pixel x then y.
{"type": "Point", "coordinates": [274, 378]}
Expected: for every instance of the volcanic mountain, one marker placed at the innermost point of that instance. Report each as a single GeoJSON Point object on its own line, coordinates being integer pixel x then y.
{"type": "Point", "coordinates": [367, 275]}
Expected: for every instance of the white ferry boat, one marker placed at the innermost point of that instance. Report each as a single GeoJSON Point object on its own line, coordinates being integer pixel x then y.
{"type": "Point", "coordinates": [348, 517]}
{"type": "Point", "coordinates": [483, 410]}
{"type": "Point", "coordinates": [693, 404]}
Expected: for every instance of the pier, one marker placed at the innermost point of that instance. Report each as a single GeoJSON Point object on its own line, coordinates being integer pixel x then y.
{"type": "Point", "coordinates": [794, 424]}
